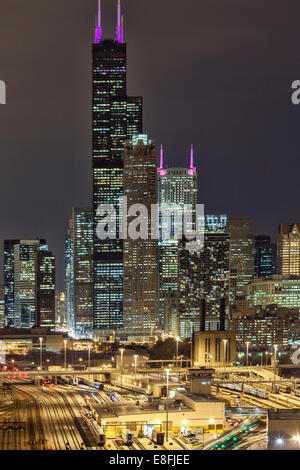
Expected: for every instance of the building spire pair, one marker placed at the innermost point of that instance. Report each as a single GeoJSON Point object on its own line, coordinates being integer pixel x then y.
{"type": "Point", "coordinates": [162, 171]}
{"type": "Point", "coordinates": [119, 28]}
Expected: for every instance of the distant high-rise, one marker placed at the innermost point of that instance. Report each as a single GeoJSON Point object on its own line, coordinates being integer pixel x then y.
{"type": "Point", "coordinates": [2, 307]}
{"type": "Point", "coordinates": [140, 256]}
{"type": "Point", "coordinates": [288, 249]}
{"type": "Point", "coordinates": [176, 187]}
{"type": "Point", "coordinates": [265, 256]}
{"type": "Point", "coordinates": [45, 288]}
{"type": "Point", "coordinates": [60, 309]}
{"type": "Point", "coordinates": [79, 271]}
{"type": "Point", "coordinates": [116, 118]}
{"type": "Point", "coordinates": [204, 274]}
{"type": "Point", "coordinates": [241, 255]}
{"type": "Point", "coordinates": [9, 280]}
{"type": "Point", "coordinates": [34, 285]}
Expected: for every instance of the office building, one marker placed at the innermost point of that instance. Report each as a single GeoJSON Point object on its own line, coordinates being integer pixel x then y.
{"type": "Point", "coordinates": [282, 291]}
{"type": "Point", "coordinates": [34, 285]}
{"type": "Point", "coordinates": [79, 271]}
{"type": "Point", "coordinates": [9, 280]}
{"type": "Point", "coordinates": [60, 309]}
{"type": "Point", "coordinates": [288, 249]}
{"type": "Point", "coordinates": [176, 187]}
{"type": "Point", "coordinates": [140, 255]}
{"type": "Point", "coordinates": [2, 307]}
{"type": "Point", "coordinates": [116, 118]}
{"type": "Point", "coordinates": [265, 256]}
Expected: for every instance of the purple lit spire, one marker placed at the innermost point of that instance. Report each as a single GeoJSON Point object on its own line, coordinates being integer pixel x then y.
{"type": "Point", "coordinates": [161, 170]}
{"type": "Point", "coordinates": [119, 29]}
{"type": "Point", "coordinates": [192, 170]}
{"type": "Point", "coordinates": [98, 32]}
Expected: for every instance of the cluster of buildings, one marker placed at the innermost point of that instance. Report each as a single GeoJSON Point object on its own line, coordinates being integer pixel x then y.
{"type": "Point", "coordinates": [152, 283]}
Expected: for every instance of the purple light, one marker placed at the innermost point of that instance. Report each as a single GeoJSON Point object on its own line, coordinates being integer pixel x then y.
{"type": "Point", "coordinates": [120, 24]}
{"type": "Point", "coordinates": [98, 31]}
{"type": "Point", "coordinates": [161, 170]}
{"type": "Point", "coordinates": [192, 170]}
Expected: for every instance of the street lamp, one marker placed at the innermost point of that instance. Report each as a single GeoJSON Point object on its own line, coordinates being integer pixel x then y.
{"type": "Point", "coordinates": [225, 344]}
{"type": "Point", "coordinates": [135, 359]}
{"type": "Point", "coordinates": [167, 406]}
{"type": "Point", "coordinates": [65, 354]}
{"type": "Point", "coordinates": [267, 352]}
{"type": "Point", "coordinates": [41, 353]}
{"type": "Point", "coordinates": [89, 356]}
{"type": "Point", "coordinates": [247, 355]}
{"type": "Point", "coordinates": [177, 340]}
{"type": "Point", "coordinates": [275, 358]}
{"type": "Point", "coordinates": [121, 351]}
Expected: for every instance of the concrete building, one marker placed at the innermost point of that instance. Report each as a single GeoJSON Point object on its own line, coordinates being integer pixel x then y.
{"type": "Point", "coordinates": [213, 348]}
{"type": "Point", "coordinates": [140, 256]}
{"type": "Point", "coordinates": [283, 429]}
{"type": "Point", "coordinates": [241, 255]}
{"type": "Point", "coordinates": [20, 341]}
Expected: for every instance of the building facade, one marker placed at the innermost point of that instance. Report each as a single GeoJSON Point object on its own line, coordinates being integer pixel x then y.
{"type": "Point", "coordinates": [116, 118]}
{"type": "Point", "coordinates": [265, 256]}
{"type": "Point", "coordinates": [288, 249]}
{"type": "Point", "coordinates": [176, 187]}
{"type": "Point", "coordinates": [282, 291]}
{"type": "Point", "coordinates": [79, 271]}
{"type": "Point", "coordinates": [34, 285]}
{"type": "Point", "coordinates": [140, 255]}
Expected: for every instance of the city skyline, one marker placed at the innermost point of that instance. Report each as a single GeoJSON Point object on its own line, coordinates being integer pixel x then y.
{"type": "Point", "coordinates": [30, 215]}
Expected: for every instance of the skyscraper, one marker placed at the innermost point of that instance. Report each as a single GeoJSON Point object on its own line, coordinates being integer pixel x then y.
{"type": "Point", "coordinates": [288, 249]}
{"type": "Point", "coordinates": [176, 187]}
{"type": "Point", "coordinates": [45, 288]}
{"type": "Point", "coordinates": [265, 256]}
{"type": "Point", "coordinates": [116, 118]}
{"type": "Point", "coordinates": [9, 280]}
{"type": "Point", "coordinates": [34, 284]}
{"type": "Point", "coordinates": [140, 256]}
{"type": "Point", "coordinates": [2, 307]}
{"type": "Point", "coordinates": [241, 255]}
{"type": "Point", "coordinates": [79, 271]}
{"type": "Point", "coordinates": [204, 274]}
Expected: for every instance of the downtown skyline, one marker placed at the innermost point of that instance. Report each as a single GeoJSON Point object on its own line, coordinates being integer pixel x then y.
{"type": "Point", "coordinates": [230, 145]}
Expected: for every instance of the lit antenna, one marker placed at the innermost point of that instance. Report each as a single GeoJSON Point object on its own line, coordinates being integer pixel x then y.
{"type": "Point", "coordinates": [161, 170]}
{"type": "Point", "coordinates": [98, 32]}
{"type": "Point", "coordinates": [192, 169]}
{"type": "Point", "coordinates": [119, 28]}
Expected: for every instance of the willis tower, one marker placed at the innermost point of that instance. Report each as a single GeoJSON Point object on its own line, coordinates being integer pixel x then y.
{"type": "Point", "coordinates": [116, 118]}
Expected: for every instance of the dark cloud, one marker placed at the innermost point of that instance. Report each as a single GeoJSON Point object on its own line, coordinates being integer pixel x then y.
{"type": "Point", "coordinates": [215, 73]}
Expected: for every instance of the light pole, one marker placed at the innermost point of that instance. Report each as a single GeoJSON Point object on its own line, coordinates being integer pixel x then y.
{"type": "Point", "coordinates": [65, 354]}
{"type": "Point", "coordinates": [267, 352]}
{"type": "Point", "coordinates": [41, 353]}
{"type": "Point", "coordinates": [89, 356]}
{"type": "Point", "coordinates": [275, 358]}
{"type": "Point", "coordinates": [177, 340]}
{"type": "Point", "coordinates": [225, 344]}
{"type": "Point", "coordinates": [121, 351]}
{"type": "Point", "coordinates": [167, 406]}
{"type": "Point", "coordinates": [135, 359]}
{"type": "Point", "coordinates": [247, 356]}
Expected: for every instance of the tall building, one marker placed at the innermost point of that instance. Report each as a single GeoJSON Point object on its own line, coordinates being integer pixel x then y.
{"type": "Point", "coordinates": [265, 256]}
{"type": "Point", "coordinates": [176, 187]}
{"type": "Point", "coordinates": [116, 118]}
{"type": "Point", "coordinates": [288, 249]}
{"type": "Point", "coordinates": [34, 285]}
{"type": "Point", "coordinates": [140, 256]}
{"type": "Point", "coordinates": [9, 280]}
{"type": "Point", "coordinates": [204, 274]}
{"type": "Point", "coordinates": [79, 271]}
{"type": "Point", "coordinates": [45, 288]}
{"type": "Point", "coordinates": [282, 291]}
{"type": "Point", "coordinates": [241, 255]}
{"type": "Point", "coordinates": [2, 307]}
{"type": "Point", "coordinates": [60, 309]}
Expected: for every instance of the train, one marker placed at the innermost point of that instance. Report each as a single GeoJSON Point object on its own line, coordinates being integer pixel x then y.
{"type": "Point", "coordinates": [91, 383]}
{"type": "Point", "coordinates": [98, 432]}
{"type": "Point", "coordinates": [240, 387]}
{"type": "Point", "coordinates": [158, 437]}
{"type": "Point", "coordinates": [127, 437]}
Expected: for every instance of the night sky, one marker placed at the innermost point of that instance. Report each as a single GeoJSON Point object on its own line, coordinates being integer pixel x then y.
{"type": "Point", "coordinates": [215, 73]}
